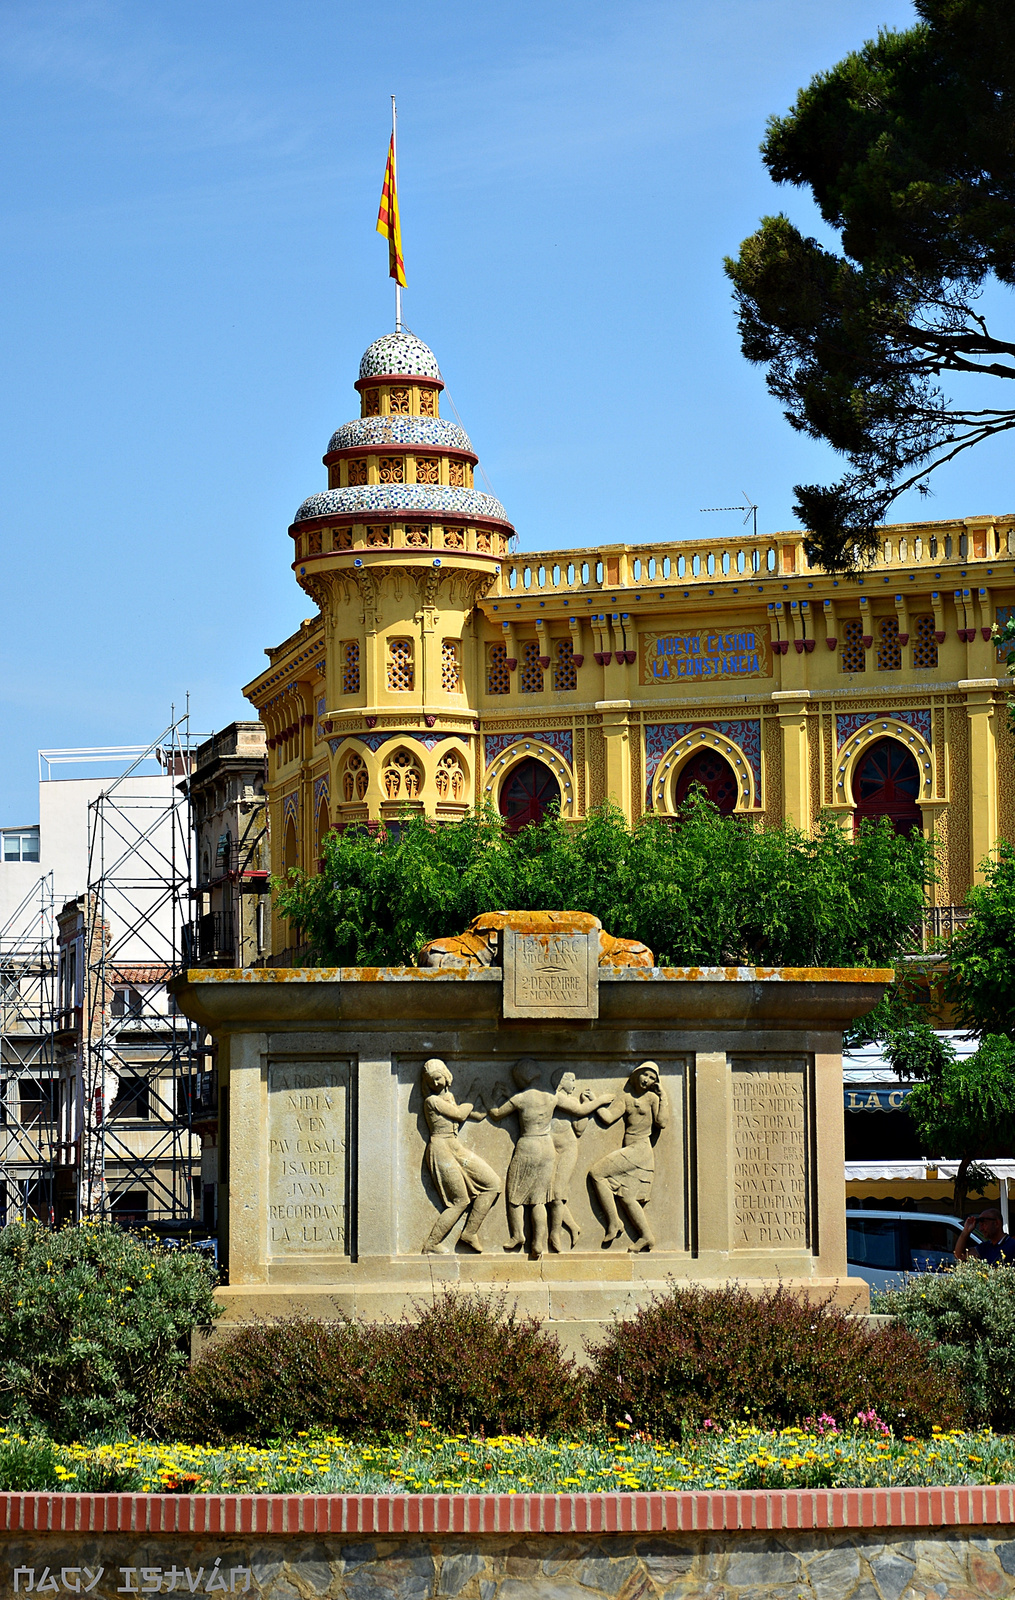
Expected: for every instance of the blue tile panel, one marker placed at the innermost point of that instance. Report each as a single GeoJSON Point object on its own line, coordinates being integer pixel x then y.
{"type": "Point", "coordinates": [852, 721]}
{"type": "Point", "coordinates": [431, 432]}
{"type": "Point", "coordinates": [383, 500]}
{"type": "Point", "coordinates": [402, 353]}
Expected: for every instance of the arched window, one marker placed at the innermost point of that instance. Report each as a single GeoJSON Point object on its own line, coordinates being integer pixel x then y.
{"type": "Point", "coordinates": [527, 793]}
{"type": "Point", "coordinates": [449, 779]}
{"type": "Point", "coordinates": [355, 778]}
{"type": "Point", "coordinates": [323, 823]}
{"type": "Point", "coordinates": [403, 776]}
{"type": "Point", "coordinates": [716, 777]}
{"type": "Point", "coordinates": [886, 783]}
{"type": "Point", "coordinates": [290, 849]}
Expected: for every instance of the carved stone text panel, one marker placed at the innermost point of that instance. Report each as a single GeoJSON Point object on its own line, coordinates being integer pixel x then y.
{"type": "Point", "coordinates": [770, 1155]}
{"type": "Point", "coordinates": [307, 1114]}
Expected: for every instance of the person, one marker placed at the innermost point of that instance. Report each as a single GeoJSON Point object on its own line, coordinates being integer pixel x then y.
{"type": "Point", "coordinates": [995, 1246]}
{"type": "Point", "coordinates": [464, 1181]}
{"type": "Point", "coordinates": [531, 1168]}
{"type": "Point", "coordinates": [626, 1174]}
{"type": "Point", "coordinates": [565, 1131]}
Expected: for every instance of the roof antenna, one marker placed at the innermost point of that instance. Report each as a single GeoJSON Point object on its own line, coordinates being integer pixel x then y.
{"type": "Point", "coordinates": [752, 511]}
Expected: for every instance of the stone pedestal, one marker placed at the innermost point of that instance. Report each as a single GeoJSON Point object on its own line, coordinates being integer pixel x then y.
{"type": "Point", "coordinates": [329, 1191]}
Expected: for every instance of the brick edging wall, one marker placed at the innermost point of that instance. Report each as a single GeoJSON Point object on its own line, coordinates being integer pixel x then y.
{"type": "Point", "coordinates": [607, 1513]}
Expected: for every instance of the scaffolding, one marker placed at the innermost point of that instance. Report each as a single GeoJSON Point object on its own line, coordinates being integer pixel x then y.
{"type": "Point", "coordinates": [29, 1075]}
{"type": "Point", "coordinates": [140, 1082]}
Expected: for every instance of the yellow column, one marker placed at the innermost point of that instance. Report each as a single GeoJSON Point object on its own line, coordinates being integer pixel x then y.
{"type": "Point", "coordinates": [982, 770]}
{"type": "Point", "coordinates": [618, 752]}
{"type": "Point", "coordinates": [792, 704]}
{"type": "Point", "coordinates": [248, 1157]}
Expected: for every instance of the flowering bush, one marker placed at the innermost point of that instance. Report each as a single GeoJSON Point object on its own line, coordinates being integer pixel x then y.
{"type": "Point", "coordinates": [969, 1313]}
{"type": "Point", "coordinates": [95, 1325]}
{"type": "Point", "coordinates": [462, 1363]}
{"type": "Point", "coordinates": [724, 1354]}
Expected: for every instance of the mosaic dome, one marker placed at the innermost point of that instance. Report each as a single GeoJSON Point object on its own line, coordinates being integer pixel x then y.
{"type": "Point", "coordinates": [431, 432]}
{"type": "Point", "coordinates": [402, 353]}
{"type": "Point", "coordinates": [396, 499]}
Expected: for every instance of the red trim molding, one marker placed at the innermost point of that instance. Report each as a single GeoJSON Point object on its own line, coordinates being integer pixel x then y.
{"type": "Point", "coordinates": [690, 1512]}
{"type": "Point", "coordinates": [400, 448]}
{"type": "Point", "coordinates": [349, 519]}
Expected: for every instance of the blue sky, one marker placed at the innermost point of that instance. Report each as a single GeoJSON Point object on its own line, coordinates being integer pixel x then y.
{"type": "Point", "coordinates": [189, 273]}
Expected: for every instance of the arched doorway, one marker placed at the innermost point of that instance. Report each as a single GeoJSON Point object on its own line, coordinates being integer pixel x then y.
{"type": "Point", "coordinates": [886, 783]}
{"type": "Point", "coordinates": [716, 777]}
{"type": "Point", "coordinates": [527, 793]}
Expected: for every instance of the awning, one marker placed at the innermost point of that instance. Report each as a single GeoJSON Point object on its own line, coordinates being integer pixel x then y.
{"type": "Point", "coordinates": [900, 1171]}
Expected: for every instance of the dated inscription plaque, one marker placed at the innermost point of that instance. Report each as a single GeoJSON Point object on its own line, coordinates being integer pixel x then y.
{"type": "Point", "coordinates": [770, 1178]}
{"type": "Point", "coordinates": [306, 1157]}
{"type": "Point", "coordinates": [550, 974]}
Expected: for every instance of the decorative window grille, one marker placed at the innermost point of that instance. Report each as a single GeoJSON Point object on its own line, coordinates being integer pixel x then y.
{"type": "Point", "coordinates": [427, 403]}
{"type": "Point", "coordinates": [403, 778]}
{"type": "Point", "coordinates": [341, 539]}
{"type": "Point", "coordinates": [349, 657]}
{"type": "Point", "coordinates": [456, 474]}
{"type": "Point", "coordinates": [372, 408]}
{"type": "Point", "coordinates": [315, 542]}
{"type": "Point", "coordinates": [417, 536]}
{"type": "Point", "coordinates": [378, 536]}
{"type": "Point", "coordinates": [356, 472]}
{"type": "Point", "coordinates": [889, 648]}
{"type": "Point", "coordinates": [451, 667]}
{"type": "Point", "coordinates": [398, 402]}
{"type": "Point", "coordinates": [853, 655]}
{"type": "Point", "coordinates": [484, 543]}
{"type": "Point", "coordinates": [355, 778]}
{"type": "Point", "coordinates": [450, 777]}
{"type": "Point", "coordinates": [530, 673]}
{"type": "Point", "coordinates": [454, 538]}
{"type": "Point", "coordinates": [924, 642]}
{"type": "Point", "coordinates": [565, 673]}
{"type": "Point", "coordinates": [428, 469]}
{"type": "Point", "coordinates": [401, 671]}
{"type": "Point", "coordinates": [498, 678]}
{"type": "Point", "coordinates": [392, 469]}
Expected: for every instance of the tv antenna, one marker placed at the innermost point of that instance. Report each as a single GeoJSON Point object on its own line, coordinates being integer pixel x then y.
{"type": "Point", "coordinates": [752, 511]}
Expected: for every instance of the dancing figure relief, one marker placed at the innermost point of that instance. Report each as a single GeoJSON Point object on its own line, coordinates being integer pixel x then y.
{"type": "Point", "coordinates": [531, 1171]}
{"type": "Point", "coordinates": [467, 1185]}
{"type": "Point", "coordinates": [626, 1175]}
{"type": "Point", "coordinates": [537, 1188]}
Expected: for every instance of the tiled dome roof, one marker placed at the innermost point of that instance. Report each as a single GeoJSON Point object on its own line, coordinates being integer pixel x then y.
{"type": "Point", "coordinates": [398, 499]}
{"type": "Point", "coordinates": [402, 353]}
{"type": "Point", "coordinates": [431, 432]}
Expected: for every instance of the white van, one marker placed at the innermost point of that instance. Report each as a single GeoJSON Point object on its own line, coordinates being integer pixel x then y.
{"type": "Point", "coordinates": [885, 1246]}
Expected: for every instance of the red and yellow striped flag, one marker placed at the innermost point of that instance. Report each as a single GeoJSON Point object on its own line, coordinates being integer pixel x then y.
{"type": "Point", "coordinates": [387, 220]}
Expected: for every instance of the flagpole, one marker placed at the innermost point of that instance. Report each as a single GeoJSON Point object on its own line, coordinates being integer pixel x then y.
{"type": "Point", "coordinates": [394, 175]}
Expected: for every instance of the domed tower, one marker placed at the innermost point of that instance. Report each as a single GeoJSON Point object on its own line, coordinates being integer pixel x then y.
{"type": "Point", "coordinates": [396, 552]}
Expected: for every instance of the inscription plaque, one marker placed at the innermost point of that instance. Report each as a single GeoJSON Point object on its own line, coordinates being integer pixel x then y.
{"type": "Point", "coordinates": [307, 1157]}
{"type": "Point", "coordinates": [770, 1157]}
{"type": "Point", "coordinates": [550, 975]}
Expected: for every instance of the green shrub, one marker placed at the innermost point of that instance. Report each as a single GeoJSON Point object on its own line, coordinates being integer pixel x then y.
{"type": "Point", "coordinates": [462, 1365]}
{"type": "Point", "coordinates": [723, 1355]}
{"type": "Point", "coordinates": [27, 1464]}
{"type": "Point", "coordinates": [94, 1326]}
{"type": "Point", "coordinates": [969, 1311]}
{"type": "Point", "coordinates": [713, 890]}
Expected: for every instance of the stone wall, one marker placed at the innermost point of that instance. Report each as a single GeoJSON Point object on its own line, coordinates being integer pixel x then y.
{"type": "Point", "coordinates": [805, 1545]}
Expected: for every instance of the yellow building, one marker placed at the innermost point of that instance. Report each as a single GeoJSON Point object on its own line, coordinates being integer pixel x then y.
{"type": "Point", "coordinates": [441, 670]}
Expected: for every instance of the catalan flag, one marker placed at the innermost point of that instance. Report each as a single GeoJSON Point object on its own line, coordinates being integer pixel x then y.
{"type": "Point", "coordinates": [387, 220]}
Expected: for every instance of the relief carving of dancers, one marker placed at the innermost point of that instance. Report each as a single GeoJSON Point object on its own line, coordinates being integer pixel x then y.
{"type": "Point", "coordinates": [530, 1174]}
{"type": "Point", "coordinates": [565, 1131]}
{"type": "Point", "coordinates": [625, 1175]}
{"type": "Point", "coordinates": [466, 1184]}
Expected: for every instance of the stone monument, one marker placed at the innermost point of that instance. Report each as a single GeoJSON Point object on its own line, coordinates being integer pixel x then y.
{"type": "Point", "coordinates": [536, 1108]}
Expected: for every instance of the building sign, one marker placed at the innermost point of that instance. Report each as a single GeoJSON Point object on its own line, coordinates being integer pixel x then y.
{"type": "Point", "coordinates": [706, 654]}
{"type": "Point", "coordinates": [868, 1099]}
